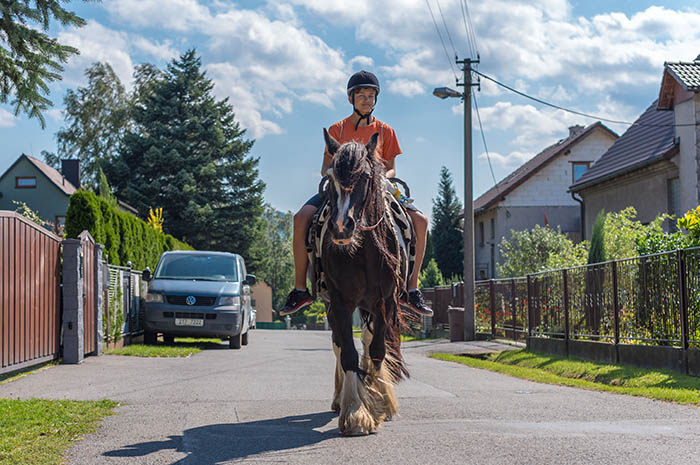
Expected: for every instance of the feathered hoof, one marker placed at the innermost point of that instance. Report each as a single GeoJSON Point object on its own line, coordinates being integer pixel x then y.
{"type": "Point", "coordinates": [357, 422]}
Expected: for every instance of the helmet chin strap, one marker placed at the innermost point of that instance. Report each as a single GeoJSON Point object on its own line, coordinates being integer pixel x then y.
{"type": "Point", "coordinates": [366, 116]}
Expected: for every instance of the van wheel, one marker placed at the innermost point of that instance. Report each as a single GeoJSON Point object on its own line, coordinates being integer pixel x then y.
{"type": "Point", "coordinates": [235, 342]}
{"type": "Point", "coordinates": [244, 338]}
{"type": "Point", "coordinates": [149, 338]}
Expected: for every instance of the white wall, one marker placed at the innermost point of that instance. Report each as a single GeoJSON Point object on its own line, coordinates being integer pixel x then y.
{"type": "Point", "coordinates": [549, 186]}
{"type": "Point", "coordinates": [685, 113]}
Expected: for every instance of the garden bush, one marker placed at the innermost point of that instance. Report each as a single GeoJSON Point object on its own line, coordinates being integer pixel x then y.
{"type": "Point", "coordinates": [126, 238]}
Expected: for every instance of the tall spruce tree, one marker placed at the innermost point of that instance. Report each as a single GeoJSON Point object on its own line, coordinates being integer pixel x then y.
{"type": "Point", "coordinates": [186, 154]}
{"type": "Point", "coordinates": [29, 58]}
{"type": "Point", "coordinates": [447, 238]}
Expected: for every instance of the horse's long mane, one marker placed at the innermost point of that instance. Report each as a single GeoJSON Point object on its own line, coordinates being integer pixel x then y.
{"type": "Point", "coordinates": [348, 167]}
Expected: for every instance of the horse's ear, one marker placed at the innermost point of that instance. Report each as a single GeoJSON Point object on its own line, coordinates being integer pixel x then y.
{"type": "Point", "coordinates": [331, 144]}
{"type": "Point", "coordinates": [372, 144]}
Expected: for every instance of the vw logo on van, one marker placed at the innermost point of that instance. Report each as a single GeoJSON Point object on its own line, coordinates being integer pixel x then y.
{"type": "Point", "coordinates": [190, 300]}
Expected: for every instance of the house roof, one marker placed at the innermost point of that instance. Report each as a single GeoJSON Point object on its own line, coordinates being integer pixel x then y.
{"type": "Point", "coordinates": [51, 173]}
{"type": "Point", "coordinates": [649, 140]}
{"type": "Point", "coordinates": [687, 74]}
{"type": "Point", "coordinates": [527, 170]}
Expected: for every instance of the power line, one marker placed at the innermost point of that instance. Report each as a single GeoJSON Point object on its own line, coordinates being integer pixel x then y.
{"type": "Point", "coordinates": [466, 30]}
{"type": "Point", "coordinates": [447, 30]}
{"type": "Point", "coordinates": [568, 110]}
{"type": "Point", "coordinates": [471, 26]}
{"type": "Point", "coordinates": [437, 29]}
{"type": "Point", "coordinates": [483, 139]}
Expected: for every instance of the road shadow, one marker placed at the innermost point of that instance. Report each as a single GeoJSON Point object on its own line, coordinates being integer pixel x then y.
{"type": "Point", "coordinates": [220, 443]}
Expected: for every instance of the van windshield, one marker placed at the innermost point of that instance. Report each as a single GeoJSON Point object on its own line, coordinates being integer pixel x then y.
{"type": "Point", "coordinates": [200, 267]}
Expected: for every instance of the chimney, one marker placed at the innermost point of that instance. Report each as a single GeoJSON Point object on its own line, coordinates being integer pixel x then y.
{"type": "Point", "coordinates": [70, 169]}
{"type": "Point", "coordinates": [576, 129]}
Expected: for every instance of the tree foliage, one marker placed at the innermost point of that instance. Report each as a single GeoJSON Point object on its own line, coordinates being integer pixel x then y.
{"type": "Point", "coordinates": [271, 253]}
{"type": "Point", "coordinates": [186, 153]}
{"type": "Point", "coordinates": [96, 117]}
{"type": "Point", "coordinates": [596, 254]}
{"type": "Point", "coordinates": [29, 58]}
{"type": "Point", "coordinates": [539, 249]}
{"type": "Point", "coordinates": [430, 275]}
{"type": "Point", "coordinates": [447, 238]}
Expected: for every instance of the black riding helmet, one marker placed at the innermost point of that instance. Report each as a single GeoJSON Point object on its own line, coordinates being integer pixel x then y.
{"type": "Point", "coordinates": [357, 81]}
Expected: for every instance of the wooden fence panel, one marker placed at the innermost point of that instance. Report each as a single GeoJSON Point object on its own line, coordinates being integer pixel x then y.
{"type": "Point", "coordinates": [29, 289]}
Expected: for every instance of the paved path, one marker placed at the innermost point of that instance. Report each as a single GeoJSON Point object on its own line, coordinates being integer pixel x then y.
{"type": "Point", "coordinates": [269, 403]}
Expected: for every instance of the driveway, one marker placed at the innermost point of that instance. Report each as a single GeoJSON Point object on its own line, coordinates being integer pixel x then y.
{"type": "Point", "coordinates": [269, 403]}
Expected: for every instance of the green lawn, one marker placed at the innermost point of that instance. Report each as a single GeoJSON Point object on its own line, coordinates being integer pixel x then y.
{"type": "Point", "coordinates": [183, 347]}
{"type": "Point", "coordinates": [38, 431]}
{"type": "Point", "coordinates": [654, 384]}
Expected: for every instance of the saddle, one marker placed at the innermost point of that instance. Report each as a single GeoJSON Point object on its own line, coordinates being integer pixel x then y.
{"type": "Point", "coordinates": [319, 228]}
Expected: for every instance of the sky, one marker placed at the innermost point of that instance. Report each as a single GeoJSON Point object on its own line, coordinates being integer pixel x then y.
{"type": "Point", "coordinates": [284, 66]}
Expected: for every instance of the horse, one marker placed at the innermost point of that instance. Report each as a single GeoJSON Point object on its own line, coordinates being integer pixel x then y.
{"type": "Point", "coordinates": [365, 267]}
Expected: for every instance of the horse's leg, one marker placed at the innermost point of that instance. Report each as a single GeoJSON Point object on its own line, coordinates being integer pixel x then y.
{"type": "Point", "coordinates": [365, 362]}
{"type": "Point", "coordinates": [355, 403]}
{"type": "Point", "coordinates": [335, 404]}
{"type": "Point", "coordinates": [382, 380]}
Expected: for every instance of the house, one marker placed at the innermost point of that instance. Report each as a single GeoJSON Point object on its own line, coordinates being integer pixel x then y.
{"type": "Point", "coordinates": [655, 165]}
{"type": "Point", "coordinates": [44, 189]}
{"type": "Point", "coordinates": [536, 193]}
{"type": "Point", "coordinates": [261, 300]}
{"type": "Point", "coordinates": [41, 187]}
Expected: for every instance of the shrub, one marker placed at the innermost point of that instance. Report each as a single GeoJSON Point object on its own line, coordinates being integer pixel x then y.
{"type": "Point", "coordinates": [125, 237]}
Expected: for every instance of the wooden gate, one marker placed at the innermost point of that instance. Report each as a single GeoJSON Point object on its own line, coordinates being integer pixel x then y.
{"type": "Point", "coordinates": [89, 285]}
{"type": "Point", "coordinates": [29, 293]}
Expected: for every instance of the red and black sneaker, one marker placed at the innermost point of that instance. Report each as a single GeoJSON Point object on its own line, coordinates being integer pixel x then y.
{"type": "Point", "coordinates": [414, 300]}
{"type": "Point", "coordinates": [296, 301]}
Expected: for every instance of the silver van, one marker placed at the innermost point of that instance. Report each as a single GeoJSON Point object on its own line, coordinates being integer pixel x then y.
{"type": "Point", "coordinates": [198, 294]}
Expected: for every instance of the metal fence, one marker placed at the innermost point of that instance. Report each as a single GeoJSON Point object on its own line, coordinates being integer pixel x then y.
{"type": "Point", "coordinates": [652, 300]}
{"type": "Point", "coordinates": [123, 310]}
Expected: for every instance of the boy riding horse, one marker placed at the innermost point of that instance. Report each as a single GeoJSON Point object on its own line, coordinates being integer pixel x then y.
{"type": "Point", "coordinates": [363, 89]}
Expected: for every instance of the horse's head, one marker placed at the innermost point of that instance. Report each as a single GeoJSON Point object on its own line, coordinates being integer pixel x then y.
{"type": "Point", "coordinates": [350, 176]}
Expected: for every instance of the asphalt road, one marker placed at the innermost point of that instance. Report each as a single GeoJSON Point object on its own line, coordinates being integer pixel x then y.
{"type": "Point", "coordinates": [269, 403]}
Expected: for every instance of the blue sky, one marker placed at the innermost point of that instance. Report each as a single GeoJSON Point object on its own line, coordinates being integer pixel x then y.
{"type": "Point", "coordinates": [284, 65]}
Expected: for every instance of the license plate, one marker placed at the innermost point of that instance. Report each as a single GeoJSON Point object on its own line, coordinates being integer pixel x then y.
{"type": "Point", "coordinates": [188, 322]}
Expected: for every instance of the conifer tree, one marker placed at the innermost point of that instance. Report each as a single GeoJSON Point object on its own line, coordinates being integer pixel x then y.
{"type": "Point", "coordinates": [447, 238]}
{"type": "Point", "coordinates": [186, 153]}
{"type": "Point", "coordinates": [29, 58]}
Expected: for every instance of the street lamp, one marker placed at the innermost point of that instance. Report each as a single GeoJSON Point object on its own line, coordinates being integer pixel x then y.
{"type": "Point", "coordinates": [443, 93]}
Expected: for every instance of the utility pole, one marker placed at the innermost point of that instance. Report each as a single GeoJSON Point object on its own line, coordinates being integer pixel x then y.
{"type": "Point", "coordinates": [469, 326]}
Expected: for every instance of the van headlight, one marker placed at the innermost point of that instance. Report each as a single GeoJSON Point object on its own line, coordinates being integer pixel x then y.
{"type": "Point", "coordinates": [154, 297]}
{"type": "Point", "coordinates": [230, 301]}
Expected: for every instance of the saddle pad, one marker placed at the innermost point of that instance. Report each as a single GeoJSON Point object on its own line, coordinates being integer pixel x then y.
{"type": "Point", "coordinates": [319, 228]}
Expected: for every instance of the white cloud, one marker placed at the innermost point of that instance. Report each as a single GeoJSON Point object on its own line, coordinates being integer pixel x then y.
{"type": "Point", "coordinates": [405, 87]}
{"type": "Point", "coordinates": [162, 51]}
{"type": "Point", "coordinates": [55, 114]}
{"type": "Point", "coordinates": [513, 159]}
{"type": "Point", "coordinates": [7, 119]}
{"type": "Point", "coordinates": [97, 43]}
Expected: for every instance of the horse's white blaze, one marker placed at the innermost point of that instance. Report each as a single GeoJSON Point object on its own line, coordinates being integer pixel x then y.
{"type": "Point", "coordinates": [343, 205]}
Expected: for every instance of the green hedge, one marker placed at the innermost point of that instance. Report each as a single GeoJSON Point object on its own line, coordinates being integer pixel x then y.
{"type": "Point", "coordinates": [125, 237]}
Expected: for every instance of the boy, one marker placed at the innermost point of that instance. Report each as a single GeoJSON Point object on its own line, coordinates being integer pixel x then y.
{"type": "Point", "coordinates": [363, 89]}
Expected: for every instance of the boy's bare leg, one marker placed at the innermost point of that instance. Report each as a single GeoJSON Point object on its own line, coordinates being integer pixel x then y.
{"type": "Point", "coordinates": [414, 298]}
{"type": "Point", "coordinates": [299, 297]}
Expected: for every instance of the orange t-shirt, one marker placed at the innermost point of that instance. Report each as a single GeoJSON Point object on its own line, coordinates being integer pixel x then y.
{"type": "Point", "coordinates": [387, 144]}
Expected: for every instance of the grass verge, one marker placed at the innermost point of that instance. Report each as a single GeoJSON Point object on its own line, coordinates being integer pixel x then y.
{"type": "Point", "coordinates": [39, 431]}
{"type": "Point", "coordinates": [654, 384]}
{"type": "Point", "coordinates": [183, 347]}
{"type": "Point", "coordinates": [7, 378]}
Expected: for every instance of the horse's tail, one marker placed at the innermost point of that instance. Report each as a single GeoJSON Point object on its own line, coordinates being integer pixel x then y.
{"type": "Point", "coordinates": [394, 327]}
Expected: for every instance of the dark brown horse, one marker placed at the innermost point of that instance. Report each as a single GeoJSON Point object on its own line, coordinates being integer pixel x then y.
{"type": "Point", "coordinates": [365, 267]}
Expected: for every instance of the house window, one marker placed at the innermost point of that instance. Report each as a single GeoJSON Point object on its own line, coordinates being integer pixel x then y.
{"type": "Point", "coordinates": [578, 168]}
{"type": "Point", "coordinates": [481, 233]}
{"type": "Point", "coordinates": [25, 182]}
{"type": "Point", "coordinates": [493, 228]}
